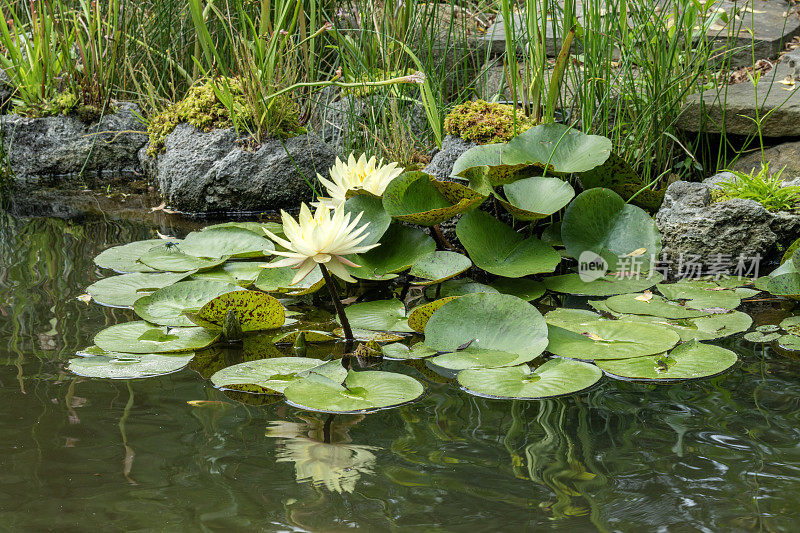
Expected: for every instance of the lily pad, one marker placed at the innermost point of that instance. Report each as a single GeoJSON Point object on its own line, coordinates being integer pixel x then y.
{"type": "Point", "coordinates": [419, 198]}
{"type": "Point", "coordinates": [401, 246]}
{"type": "Point", "coordinates": [361, 392]}
{"type": "Point", "coordinates": [166, 306]}
{"type": "Point", "coordinates": [653, 305]}
{"type": "Point", "coordinates": [610, 339]}
{"type": "Point", "coordinates": [460, 287]}
{"type": "Point", "coordinates": [128, 365]}
{"type": "Point", "coordinates": [482, 321]}
{"type": "Point", "coordinates": [419, 316]}
{"type": "Point", "coordinates": [691, 360]}
{"type": "Point", "coordinates": [439, 266]}
{"type": "Point", "coordinates": [704, 328]}
{"type": "Point", "coordinates": [478, 358]}
{"type": "Point", "coordinates": [790, 343]}
{"type": "Point", "coordinates": [276, 373]}
{"type": "Point", "coordinates": [600, 221]}
{"type": "Point", "coordinates": [527, 289]}
{"type": "Point", "coordinates": [606, 286]}
{"type": "Point", "coordinates": [125, 258]}
{"type": "Point", "coordinates": [556, 377]}
{"type": "Point", "coordinates": [255, 311]}
{"type": "Point", "coordinates": [536, 197]}
{"type": "Point", "coordinates": [791, 325]}
{"type": "Point", "coordinates": [704, 294]}
{"type": "Point", "coordinates": [759, 337]}
{"type": "Point", "coordinates": [142, 337]}
{"type": "Point", "coordinates": [373, 212]}
{"type": "Point", "coordinates": [124, 290]}
{"type": "Point", "coordinates": [498, 249]}
{"type": "Point", "coordinates": [226, 242]}
{"type": "Point", "coordinates": [279, 280]}
{"type": "Point", "coordinates": [784, 285]}
{"type": "Point", "coordinates": [242, 273]}
{"type": "Point", "coordinates": [171, 259]}
{"type": "Point", "coordinates": [310, 336]}
{"type": "Point", "coordinates": [399, 351]}
{"type": "Point", "coordinates": [380, 315]}
{"type": "Point", "coordinates": [254, 227]}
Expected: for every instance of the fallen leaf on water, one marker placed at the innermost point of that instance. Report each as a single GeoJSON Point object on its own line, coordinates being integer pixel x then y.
{"type": "Point", "coordinates": [85, 298]}
{"type": "Point", "coordinates": [162, 207]}
{"type": "Point", "coordinates": [637, 252]}
{"type": "Point", "coordinates": [645, 297]}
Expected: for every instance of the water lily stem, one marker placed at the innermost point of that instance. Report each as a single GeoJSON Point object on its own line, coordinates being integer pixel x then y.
{"type": "Point", "coordinates": [441, 240]}
{"type": "Point", "coordinates": [337, 303]}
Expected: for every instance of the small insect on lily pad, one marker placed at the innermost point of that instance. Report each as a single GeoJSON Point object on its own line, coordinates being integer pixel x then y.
{"type": "Point", "coordinates": [691, 360]}
{"type": "Point", "coordinates": [438, 266]}
{"type": "Point", "coordinates": [226, 242]}
{"type": "Point", "coordinates": [419, 316]}
{"type": "Point", "coordinates": [128, 365]}
{"type": "Point", "coordinates": [142, 337]}
{"type": "Point", "coordinates": [125, 258]}
{"type": "Point", "coordinates": [253, 310]}
{"type": "Point", "coordinates": [556, 377]}
{"type": "Point", "coordinates": [608, 285]}
{"type": "Point", "coordinates": [275, 374]}
{"type": "Point", "coordinates": [170, 258]}
{"type": "Point", "coordinates": [167, 306]}
{"type": "Point", "coordinates": [419, 198]}
{"type": "Point", "coordinates": [124, 290]}
{"type": "Point", "coordinates": [309, 335]}
{"type": "Point", "coordinates": [361, 392]}
{"type": "Point", "coordinates": [379, 315]}
{"type": "Point", "coordinates": [398, 351]}
{"type": "Point", "coordinates": [635, 304]}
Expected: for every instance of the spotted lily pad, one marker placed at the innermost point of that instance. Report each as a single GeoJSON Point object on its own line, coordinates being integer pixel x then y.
{"type": "Point", "coordinates": [498, 249]}
{"type": "Point", "coordinates": [524, 288]}
{"type": "Point", "coordinates": [379, 315]}
{"type": "Point", "coordinates": [360, 392]}
{"type": "Point", "coordinates": [791, 325]}
{"type": "Point", "coordinates": [419, 198]}
{"type": "Point", "coordinates": [226, 242]}
{"type": "Point", "coordinates": [142, 337]}
{"type": "Point", "coordinates": [606, 286]}
{"type": "Point", "coordinates": [419, 316]}
{"type": "Point", "coordinates": [279, 280]}
{"type": "Point", "coordinates": [609, 339]}
{"type": "Point", "coordinates": [128, 365]}
{"type": "Point", "coordinates": [536, 197]}
{"type": "Point", "coordinates": [254, 311]}
{"type": "Point", "coordinates": [170, 258]}
{"type": "Point", "coordinates": [784, 285]}
{"type": "Point", "coordinates": [400, 247]}
{"type": "Point", "coordinates": [242, 273]}
{"type": "Point", "coordinates": [276, 373]}
{"type": "Point", "coordinates": [167, 306]}
{"type": "Point", "coordinates": [556, 377]}
{"type": "Point", "coordinates": [438, 266]}
{"type": "Point", "coordinates": [691, 360]}
{"type": "Point", "coordinates": [125, 258]}
{"type": "Point", "coordinates": [636, 304]}
{"type": "Point", "coordinates": [124, 290]}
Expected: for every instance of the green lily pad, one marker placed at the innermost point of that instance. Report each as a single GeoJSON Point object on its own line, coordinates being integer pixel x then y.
{"type": "Point", "coordinates": [655, 306]}
{"type": "Point", "coordinates": [128, 365]}
{"type": "Point", "coordinates": [166, 306]}
{"type": "Point", "coordinates": [170, 258]}
{"type": "Point", "coordinates": [124, 290]}
{"type": "Point", "coordinates": [279, 280]}
{"type": "Point", "coordinates": [527, 289]}
{"type": "Point", "coordinates": [419, 316]}
{"type": "Point", "coordinates": [498, 249]}
{"type": "Point", "coordinates": [556, 377]}
{"type": "Point", "coordinates": [310, 336]}
{"type": "Point", "coordinates": [361, 392]}
{"type": "Point", "coordinates": [704, 328]}
{"type": "Point", "coordinates": [125, 258]}
{"type": "Point", "coordinates": [226, 242]}
{"type": "Point", "coordinates": [790, 343]}
{"type": "Point", "coordinates": [401, 246]}
{"type": "Point", "coordinates": [142, 338]}
{"type": "Point", "coordinates": [609, 339]}
{"type": "Point", "coordinates": [460, 287]}
{"type": "Point", "coordinates": [482, 321]}
{"type": "Point", "coordinates": [704, 294]}
{"type": "Point", "coordinates": [759, 337]}
{"type": "Point", "coordinates": [439, 266]}
{"type": "Point", "coordinates": [606, 286]}
{"type": "Point", "coordinates": [373, 212]}
{"type": "Point", "coordinates": [791, 325]}
{"type": "Point", "coordinates": [555, 147]}
{"type": "Point", "coordinates": [600, 221]}
{"type": "Point", "coordinates": [536, 197]}
{"type": "Point", "coordinates": [254, 227]}
{"type": "Point", "coordinates": [784, 285]}
{"type": "Point", "coordinates": [478, 358]}
{"type": "Point", "coordinates": [380, 315]}
{"type": "Point", "coordinates": [242, 273]}
{"type": "Point", "coordinates": [419, 198]}
{"type": "Point", "coordinates": [399, 351]}
{"type": "Point", "coordinates": [691, 360]}
{"type": "Point", "coordinates": [255, 311]}
{"type": "Point", "coordinates": [276, 373]}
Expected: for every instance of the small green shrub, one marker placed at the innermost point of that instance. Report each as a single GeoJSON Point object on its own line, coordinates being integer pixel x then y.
{"type": "Point", "coordinates": [485, 123]}
{"type": "Point", "coordinates": [761, 186]}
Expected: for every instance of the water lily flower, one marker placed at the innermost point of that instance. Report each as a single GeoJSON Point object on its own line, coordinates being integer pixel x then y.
{"type": "Point", "coordinates": [369, 175]}
{"type": "Point", "coordinates": [320, 239]}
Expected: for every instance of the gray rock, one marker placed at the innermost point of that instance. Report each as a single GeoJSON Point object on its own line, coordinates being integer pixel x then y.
{"type": "Point", "coordinates": [692, 225]}
{"type": "Point", "coordinates": [53, 150]}
{"type": "Point", "coordinates": [203, 172]}
{"type": "Point", "coordinates": [441, 165]}
{"type": "Point", "coordinates": [779, 156]}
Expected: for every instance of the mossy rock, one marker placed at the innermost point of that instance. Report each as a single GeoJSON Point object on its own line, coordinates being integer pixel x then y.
{"type": "Point", "coordinates": [485, 123]}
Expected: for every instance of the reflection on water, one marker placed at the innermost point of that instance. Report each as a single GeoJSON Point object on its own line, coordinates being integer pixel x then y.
{"type": "Point", "coordinates": [174, 454]}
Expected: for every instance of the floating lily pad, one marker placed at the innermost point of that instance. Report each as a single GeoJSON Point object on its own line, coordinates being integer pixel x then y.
{"type": "Point", "coordinates": [610, 339]}
{"type": "Point", "coordinates": [166, 306]}
{"type": "Point", "coordinates": [653, 306]}
{"type": "Point", "coordinates": [482, 321]}
{"type": "Point", "coordinates": [702, 329]}
{"type": "Point", "coordinates": [400, 351]}
{"type": "Point", "coordinates": [128, 365]}
{"type": "Point", "coordinates": [361, 392]}
{"type": "Point", "coordinates": [276, 373]}
{"type": "Point", "coordinates": [419, 198]}
{"type": "Point", "coordinates": [242, 273]}
{"type": "Point", "coordinates": [311, 336]}
{"type": "Point", "coordinates": [691, 360]}
{"type": "Point", "coordinates": [279, 280]}
{"type": "Point", "coordinates": [380, 315]}
{"type": "Point", "coordinates": [373, 212]}
{"type": "Point", "coordinates": [704, 294]}
{"type": "Point", "coordinates": [255, 311]}
{"type": "Point", "coordinates": [556, 377]}
{"type": "Point", "coordinates": [439, 266]}
{"type": "Point", "coordinates": [124, 290]}
{"type": "Point", "coordinates": [142, 338]}
{"type": "Point", "coordinates": [790, 343]}
{"type": "Point", "coordinates": [527, 289]}
{"type": "Point", "coordinates": [536, 197]}
{"type": "Point", "coordinates": [419, 316]}
{"type": "Point", "coordinates": [759, 337]}
{"type": "Point", "coordinates": [460, 287]}
{"type": "Point", "coordinates": [791, 325]}
{"type": "Point", "coordinates": [226, 242]}
{"type": "Point", "coordinates": [170, 258]}
{"type": "Point", "coordinates": [125, 258]}
{"type": "Point", "coordinates": [497, 248]}
{"type": "Point", "coordinates": [606, 286]}
{"type": "Point", "coordinates": [401, 246]}
{"type": "Point", "coordinates": [600, 221]}
{"type": "Point", "coordinates": [478, 358]}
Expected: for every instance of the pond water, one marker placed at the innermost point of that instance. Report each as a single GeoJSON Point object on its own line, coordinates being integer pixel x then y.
{"type": "Point", "coordinates": [174, 454]}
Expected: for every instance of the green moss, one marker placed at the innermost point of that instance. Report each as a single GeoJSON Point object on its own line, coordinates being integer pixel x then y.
{"type": "Point", "coordinates": [61, 104]}
{"type": "Point", "coordinates": [485, 123]}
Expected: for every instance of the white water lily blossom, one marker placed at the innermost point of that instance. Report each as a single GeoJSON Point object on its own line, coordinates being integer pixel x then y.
{"type": "Point", "coordinates": [321, 238]}
{"type": "Point", "coordinates": [362, 174]}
